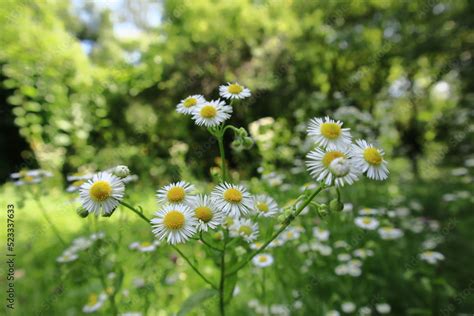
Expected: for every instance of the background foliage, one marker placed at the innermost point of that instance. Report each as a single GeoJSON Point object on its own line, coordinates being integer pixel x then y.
{"type": "Point", "coordinates": [85, 85]}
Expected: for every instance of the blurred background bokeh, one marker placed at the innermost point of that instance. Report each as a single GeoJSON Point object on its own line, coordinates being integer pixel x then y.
{"type": "Point", "coordinates": [86, 85]}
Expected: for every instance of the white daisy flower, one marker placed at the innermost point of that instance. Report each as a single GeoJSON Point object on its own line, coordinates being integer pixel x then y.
{"type": "Point", "coordinates": [366, 222]}
{"type": "Point", "coordinates": [94, 303]}
{"type": "Point", "coordinates": [176, 193]}
{"type": "Point", "coordinates": [368, 211]}
{"type": "Point", "coordinates": [175, 222]}
{"type": "Point", "coordinates": [103, 192]}
{"type": "Point", "coordinates": [321, 234]}
{"type": "Point", "coordinates": [344, 257]}
{"type": "Point", "coordinates": [389, 233]}
{"type": "Point", "coordinates": [365, 311]}
{"type": "Point", "coordinates": [145, 246]}
{"type": "Point", "coordinates": [262, 260]}
{"type": "Point", "coordinates": [370, 159]}
{"type": "Point", "coordinates": [383, 308]}
{"type": "Point", "coordinates": [246, 229]}
{"type": "Point", "coordinates": [234, 91]}
{"type": "Point", "coordinates": [233, 200]}
{"type": "Point", "coordinates": [190, 104]}
{"type": "Point", "coordinates": [332, 167]}
{"type": "Point", "coordinates": [206, 213]}
{"type": "Point", "coordinates": [265, 206]}
{"type": "Point", "coordinates": [432, 257]}
{"type": "Point", "coordinates": [329, 134]}
{"type": "Point", "coordinates": [290, 233]}
{"type": "Point", "coordinates": [363, 253]}
{"type": "Point", "coordinates": [67, 257]}
{"type": "Point", "coordinates": [212, 113]}
{"type": "Point", "coordinates": [256, 245]}
{"type": "Point", "coordinates": [348, 307]}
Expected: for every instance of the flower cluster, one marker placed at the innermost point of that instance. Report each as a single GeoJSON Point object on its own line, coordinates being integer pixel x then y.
{"type": "Point", "coordinates": [34, 176]}
{"type": "Point", "coordinates": [336, 160]}
{"type": "Point", "coordinates": [215, 112]}
{"type": "Point", "coordinates": [183, 213]}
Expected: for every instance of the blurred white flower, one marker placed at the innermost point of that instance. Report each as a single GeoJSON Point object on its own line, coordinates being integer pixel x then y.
{"type": "Point", "coordinates": [432, 257]}
{"type": "Point", "coordinates": [366, 222]}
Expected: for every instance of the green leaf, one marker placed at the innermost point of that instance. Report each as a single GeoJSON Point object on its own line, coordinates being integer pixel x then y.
{"type": "Point", "coordinates": [195, 300]}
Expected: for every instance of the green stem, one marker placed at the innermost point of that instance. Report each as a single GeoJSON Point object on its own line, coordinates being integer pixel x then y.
{"type": "Point", "coordinates": [222, 282]}
{"type": "Point", "coordinates": [174, 247]}
{"type": "Point", "coordinates": [46, 217]}
{"type": "Point", "coordinates": [201, 237]}
{"type": "Point", "coordinates": [146, 219]}
{"type": "Point", "coordinates": [220, 141]}
{"type": "Point", "coordinates": [193, 267]}
{"type": "Point", "coordinates": [286, 223]}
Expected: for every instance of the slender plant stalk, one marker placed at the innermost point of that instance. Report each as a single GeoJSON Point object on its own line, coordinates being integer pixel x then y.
{"type": "Point", "coordinates": [220, 141]}
{"type": "Point", "coordinates": [201, 238]}
{"type": "Point", "coordinates": [174, 247]}
{"type": "Point", "coordinates": [222, 282]}
{"type": "Point", "coordinates": [37, 198]}
{"type": "Point", "coordinates": [286, 223]}
{"type": "Point", "coordinates": [194, 267]}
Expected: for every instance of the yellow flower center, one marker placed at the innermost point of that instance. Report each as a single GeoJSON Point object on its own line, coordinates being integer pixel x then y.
{"type": "Point", "coordinates": [289, 235]}
{"type": "Point", "coordinates": [146, 244]}
{"type": "Point", "coordinates": [262, 259]}
{"type": "Point", "coordinates": [245, 230]}
{"type": "Point", "coordinates": [208, 111]}
{"type": "Point", "coordinates": [203, 213]}
{"type": "Point", "coordinates": [262, 207]}
{"type": "Point", "coordinates": [28, 178]}
{"type": "Point", "coordinates": [189, 102]}
{"type": "Point", "coordinates": [93, 299]}
{"type": "Point", "coordinates": [235, 88]}
{"type": "Point", "coordinates": [330, 156]}
{"type": "Point", "coordinates": [229, 221]}
{"type": "Point", "coordinates": [174, 220]}
{"type": "Point", "coordinates": [233, 195]}
{"type": "Point", "coordinates": [176, 194]}
{"type": "Point", "coordinates": [372, 156]}
{"type": "Point", "coordinates": [100, 191]}
{"type": "Point", "coordinates": [330, 130]}
{"type": "Point", "coordinates": [366, 220]}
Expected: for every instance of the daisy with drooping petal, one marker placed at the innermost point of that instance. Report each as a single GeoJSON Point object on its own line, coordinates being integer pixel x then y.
{"type": "Point", "coordinates": [189, 105]}
{"type": "Point", "coordinates": [103, 192]}
{"type": "Point", "coordinates": [432, 257]}
{"type": "Point", "coordinates": [366, 222]}
{"type": "Point", "coordinates": [206, 213]}
{"type": "Point", "coordinates": [94, 303]}
{"type": "Point", "coordinates": [262, 260]}
{"type": "Point", "coordinates": [389, 233]}
{"type": "Point", "coordinates": [211, 113]}
{"type": "Point", "coordinates": [332, 166]}
{"type": "Point", "coordinates": [234, 91]}
{"type": "Point", "coordinates": [265, 206]}
{"type": "Point", "coordinates": [233, 200]}
{"type": "Point", "coordinates": [370, 159]}
{"type": "Point", "coordinates": [176, 193]}
{"type": "Point", "coordinates": [175, 222]}
{"type": "Point", "coordinates": [244, 228]}
{"type": "Point", "coordinates": [329, 134]}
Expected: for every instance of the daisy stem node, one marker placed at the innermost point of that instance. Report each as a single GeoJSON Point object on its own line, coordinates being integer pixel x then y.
{"type": "Point", "coordinates": [285, 224]}
{"type": "Point", "coordinates": [135, 211]}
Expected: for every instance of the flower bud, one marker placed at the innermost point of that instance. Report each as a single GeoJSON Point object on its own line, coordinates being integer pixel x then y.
{"type": "Point", "coordinates": [323, 210]}
{"type": "Point", "coordinates": [82, 212]}
{"type": "Point", "coordinates": [121, 171]}
{"type": "Point", "coordinates": [247, 142]}
{"type": "Point", "coordinates": [336, 206]}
